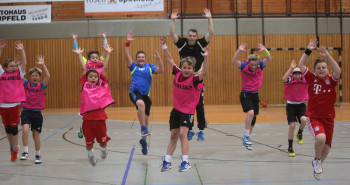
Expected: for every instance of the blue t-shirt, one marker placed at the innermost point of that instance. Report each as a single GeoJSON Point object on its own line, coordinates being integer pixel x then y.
{"type": "Point", "coordinates": [33, 85]}
{"type": "Point", "coordinates": [141, 78]}
{"type": "Point", "coordinates": [260, 64]}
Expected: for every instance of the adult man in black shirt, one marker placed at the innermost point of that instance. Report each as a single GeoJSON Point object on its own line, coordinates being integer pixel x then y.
{"type": "Point", "coordinates": [192, 46]}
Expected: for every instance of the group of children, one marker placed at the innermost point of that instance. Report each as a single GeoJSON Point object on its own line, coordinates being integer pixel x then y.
{"type": "Point", "coordinates": [301, 85]}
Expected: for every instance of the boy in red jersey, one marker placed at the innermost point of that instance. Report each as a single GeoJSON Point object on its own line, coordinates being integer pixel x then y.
{"type": "Point", "coordinates": [322, 96]}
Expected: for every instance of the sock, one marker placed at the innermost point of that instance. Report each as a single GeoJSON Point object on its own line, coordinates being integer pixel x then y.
{"type": "Point", "coordinates": [38, 152]}
{"type": "Point", "coordinates": [104, 149]}
{"type": "Point", "coordinates": [11, 146]}
{"type": "Point", "coordinates": [300, 131]}
{"type": "Point", "coordinates": [91, 152]}
{"type": "Point", "coordinates": [185, 158]}
{"type": "Point", "coordinates": [15, 148]}
{"type": "Point", "coordinates": [167, 158]}
{"type": "Point", "coordinates": [25, 149]}
{"type": "Point", "coordinates": [144, 140]}
{"type": "Point", "coordinates": [246, 132]}
{"type": "Point", "coordinates": [290, 143]}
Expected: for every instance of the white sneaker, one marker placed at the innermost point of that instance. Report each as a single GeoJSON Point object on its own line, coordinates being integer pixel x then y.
{"type": "Point", "coordinates": [316, 163]}
{"type": "Point", "coordinates": [92, 160]}
{"type": "Point", "coordinates": [317, 176]}
{"type": "Point", "coordinates": [25, 156]}
{"type": "Point", "coordinates": [37, 159]}
{"type": "Point", "coordinates": [104, 154]}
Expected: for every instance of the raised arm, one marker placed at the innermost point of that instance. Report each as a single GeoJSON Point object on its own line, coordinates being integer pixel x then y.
{"type": "Point", "coordinates": [302, 63]}
{"type": "Point", "coordinates": [334, 64]}
{"type": "Point", "coordinates": [104, 37]}
{"type": "Point", "coordinates": [235, 61]}
{"type": "Point", "coordinates": [267, 59]}
{"type": "Point", "coordinates": [292, 66]}
{"type": "Point", "coordinates": [46, 71]}
{"type": "Point", "coordinates": [128, 59]}
{"type": "Point", "coordinates": [108, 51]}
{"type": "Point", "coordinates": [79, 53]}
{"type": "Point", "coordinates": [210, 33]}
{"type": "Point", "coordinates": [166, 53]}
{"type": "Point", "coordinates": [75, 40]}
{"type": "Point", "coordinates": [2, 45]}
{"type": "Point", "coordinates": [160, 68]}
{"type": "Point", "coordinates": [20, 48]}
{"type": "Point", "coordinates": [205, 70]}
{"type": "Point", "coordinates": [174, 16]}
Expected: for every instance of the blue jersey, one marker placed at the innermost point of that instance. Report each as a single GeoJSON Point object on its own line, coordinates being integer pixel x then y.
{"type": "Point", "coordinates": [141, 78]}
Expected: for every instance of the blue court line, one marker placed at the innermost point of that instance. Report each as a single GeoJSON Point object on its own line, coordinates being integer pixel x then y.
{"type": "Point", "coordinates": [128, 166]}
{"type": "Point", "coordinates": [276, 115]}
{"type": "Point", "coordinates": [61, 128]}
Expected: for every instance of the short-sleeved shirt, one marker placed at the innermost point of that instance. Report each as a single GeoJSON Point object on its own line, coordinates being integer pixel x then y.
{"type": "Point", "coordinates": [322, 95]}
{"type": "Point", "coordinates": [141, 78]}
{"type": "Point", "coordinates": [186, 50]}
{"type": "Point", "coordinates": [33, 85]}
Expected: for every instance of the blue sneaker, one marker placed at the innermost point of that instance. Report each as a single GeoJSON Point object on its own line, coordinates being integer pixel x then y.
{"type": "Point", "coordinates": [184, 166]}
{"type": "Point", "coordinates": [143, 144]}
{"type": "Point", "coordinates": [247, 143]}
{"type": "Point", "coordinates": [200, 135]}
{"type": "Point", "coordinates": [190, 134]}
{"type": "Point", "coordinates": [80, 133]}
{"type": "Point", "coordinates": [166, 166]}
{"type": "Point", "coordinates": [144, 131]}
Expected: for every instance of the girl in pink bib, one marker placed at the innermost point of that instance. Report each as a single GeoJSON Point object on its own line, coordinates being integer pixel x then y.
{"type": "Point", "coordinates": [187, 87]}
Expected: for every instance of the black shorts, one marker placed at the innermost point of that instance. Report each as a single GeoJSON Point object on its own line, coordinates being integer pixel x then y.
{"type": "Point", "coordinates": [178, 119]}
{"type": "Point", "coordinates": [134, 96]}
{"type": "Point", "coordinates": [250, 101]}
{"type": "Point", "coordinates": [33, 118]}
{"type": "Point", "coordinates": [295, 111]}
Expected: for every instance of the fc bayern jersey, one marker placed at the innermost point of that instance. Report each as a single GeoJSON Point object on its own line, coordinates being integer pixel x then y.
{"type": "Point", "coordinates": [322, 95]}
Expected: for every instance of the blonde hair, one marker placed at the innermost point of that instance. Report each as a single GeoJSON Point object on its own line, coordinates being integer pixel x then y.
{"type": "Point", "coordinates": [190, 60]}
{"type": "Point", "coordinates": [35, 69]}
{"type": "Point", "coordinates": [253, 57]}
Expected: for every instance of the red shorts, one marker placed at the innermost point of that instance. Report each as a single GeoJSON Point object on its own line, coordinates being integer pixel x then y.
{"type": "Point", "coordinates": [10, 116]}
{"type": "Point", "coordinates": [321, 125]}
{"type": "Point", "coordinates": [95, 129]}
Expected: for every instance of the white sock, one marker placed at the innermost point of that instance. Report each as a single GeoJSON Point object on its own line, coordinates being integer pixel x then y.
{"type": "Point", "coordinates": [91, 152]}
{"type": "Point", "coordinates": [38, 152]}
{"type": "Point", "coordinates": [25, 149]}
{"type": "Point", "coordinates": [167, 158]}
{"type": "Point", "coordinates": [104, 149]}
{"type": "Point", "coordinates": [246, 132]}
{"type": "Point", "coordinates": [185, 158]}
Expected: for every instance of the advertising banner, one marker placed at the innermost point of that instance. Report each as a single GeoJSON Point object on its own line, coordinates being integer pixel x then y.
{"type": "Point", "coordinates": [124, 6]}
{"type": "Point", "coordinates": [25, 14]}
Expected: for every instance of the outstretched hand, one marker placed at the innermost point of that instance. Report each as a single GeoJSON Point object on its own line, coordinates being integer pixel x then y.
{"type": "Point", "coordinates": [312, 44]}
{"type": "Point", "coordinates": [19, 45]}
{"type": "Point", "coordinates": [206, 53]}
{"type": "Point", "coordinates": [324, 51]}
{"type": "Point", "coordinates": [156, 54]}
{"type": "Point", "coordinates": [40, 60]}
{"type": "Point", "coordinates": [260, 47]}
{"type": "Point", "coordinates": [129, 37]}
{"type": "Point", "coordinates": [293, 64]}
{"type": "Point", "coordinates": [207, 13]}
{"type": "Point", "coordinates": [75, 36]}
{"type": "Point", "coordinates": [108, 49]}
{"type": "Point", "coordinates": [163, 40]}
{"type": "Point", "coordinates": [2, 43]}
{"type": "Point", "coordinates": [78, 51]}
{"type": "Point", "coordinates": [103, 35]}
{"type": "Point", "coordinates": [175, 14]}
{"type": "Point", "coordinates": [243, 47]}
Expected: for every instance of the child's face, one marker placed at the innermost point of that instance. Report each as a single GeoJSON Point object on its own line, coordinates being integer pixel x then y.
{"type": "Point", "coordinates": [186, 69]}
{"type": "Point", "coordinates": [253, 65]}
{"type": "Point", "coordinates": [141, 59]}
{"type": "Point", "coordinates": [297, 76]}
{"type": "Point", "coordinates": [321, 70]}
{"type": "Point", "coordinates": [12, 67]}
{"type": "Point", "coordinates": [35, 78]}
{"type": "Point", "coordinates": [92, 78]}
{"type": "Point", "coordinates": [94, 57]}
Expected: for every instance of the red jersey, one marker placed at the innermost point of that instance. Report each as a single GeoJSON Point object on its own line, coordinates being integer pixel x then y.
{"type": "Point", "coordinates": [322, 95]}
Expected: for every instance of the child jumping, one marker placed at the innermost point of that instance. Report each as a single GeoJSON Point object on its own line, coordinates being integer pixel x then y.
{"type": "Point", "coordinates": [252, 78]}
{"type": "Point", "coordinates": [11, 95]}
{"type": "Point", "coordinates": [95, 96]}
{"type": "Point", "coordinates": [187, 87]}
{"type": "Point", "coordinates": [295, 92]}
{"type": "Point", "coordinates": [31, 116]}
{"type": "Point", "coordinates": [322, 96]}
{"type": "Point", "coordinates": [141, 79]}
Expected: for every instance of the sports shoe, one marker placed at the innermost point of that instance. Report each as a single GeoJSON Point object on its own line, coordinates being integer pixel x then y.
{"type": "Point", "coordinates": [144, 131]}
{"type": "Point", "coordinates": [166, 166]}
{"type": "Point", "coordinates": [14, 155]}
{"type": "Point", "coordinates": [190, 134]}
{"type": "Point", "coordinates": [316, 163]}
{"type": "Point", "coordinates": [291, 152]}
{"type": "Point", "coordinates": [300, 139]}
{"type": "Point", "coordinates": [317, 176]}
{"type": "Point", "coordinates": [247, 143]}
{"type": "Point", "coordinates": [25, 156]}
{"type": "Point", "coordinates": [104, 154]}
{"type": "Point", "coordinates": [200, 135]}
{"type": "Point", "coordinates": [37, 159]}
{"type": "Point", "coordinates": [143, 144]}
{"type": "Point", "coordinates": [80, 133]}
{"type": "Point", "coordinates": [184, 166]}
{"type": "Point", "coordinates": [92, 160]}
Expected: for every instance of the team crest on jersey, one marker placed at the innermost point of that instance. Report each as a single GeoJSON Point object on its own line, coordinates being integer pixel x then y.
{"type": "Point", "coordinates": [328, 82]}
{"type": "Point", "coordinates": [317, 128]}
{"type": "Point", "coordinates": [315, 80]}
